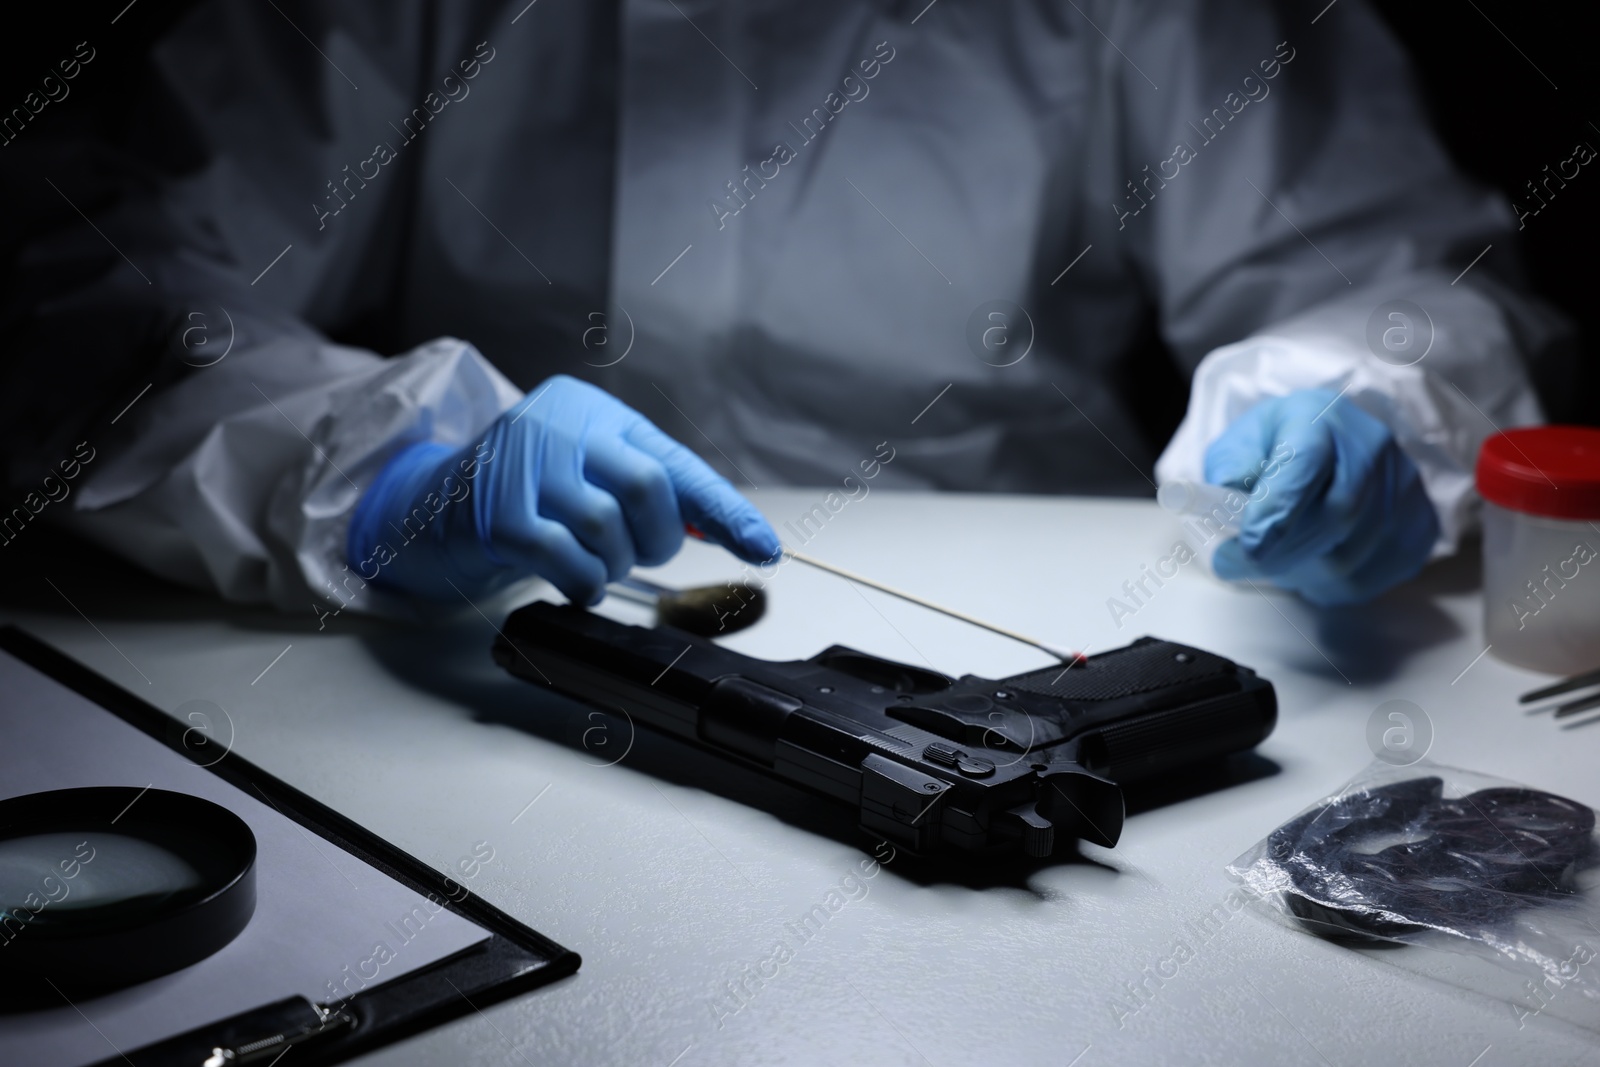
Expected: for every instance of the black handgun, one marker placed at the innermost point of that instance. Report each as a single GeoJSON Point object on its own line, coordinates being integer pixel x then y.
{"type": "Point", "coordinates": [934, 765]}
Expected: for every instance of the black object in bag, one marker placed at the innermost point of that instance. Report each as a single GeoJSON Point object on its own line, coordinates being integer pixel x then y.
{"type": "Point", "coordinates": [935, 765]}
{"type": "Point", "coordinates": [1466, 862]}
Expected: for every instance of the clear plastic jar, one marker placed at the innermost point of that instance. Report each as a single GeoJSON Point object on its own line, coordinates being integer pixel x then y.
{"type": "Point", "coordinates": [1541, 547]}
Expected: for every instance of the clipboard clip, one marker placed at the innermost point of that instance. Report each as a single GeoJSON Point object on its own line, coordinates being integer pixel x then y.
{"type": "Point", "coordinates": [314, 1021]}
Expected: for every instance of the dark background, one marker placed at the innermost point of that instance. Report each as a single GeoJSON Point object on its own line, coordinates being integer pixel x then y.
{"type": "Point", "coordinates": [1504, 121]}
{"type": "Point", "coordinates": [1512, 87]}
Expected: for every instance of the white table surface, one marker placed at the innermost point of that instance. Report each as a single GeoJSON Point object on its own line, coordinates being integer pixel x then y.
{"type": "Point", "coordinates": [670, 871]}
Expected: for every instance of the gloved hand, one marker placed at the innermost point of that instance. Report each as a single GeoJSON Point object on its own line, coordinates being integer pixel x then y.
{"type": "Point", "coordinates": [1337, 511]}
{"type": "Point", "coordinates": [571, 485]}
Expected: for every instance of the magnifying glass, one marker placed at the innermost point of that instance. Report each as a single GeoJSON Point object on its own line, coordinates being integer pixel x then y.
{"type": "Point", "coordinates": [104, 887]}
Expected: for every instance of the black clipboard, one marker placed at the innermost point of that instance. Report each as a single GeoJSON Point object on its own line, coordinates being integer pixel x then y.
{"type": "Point", "coordinates": [513, 959]}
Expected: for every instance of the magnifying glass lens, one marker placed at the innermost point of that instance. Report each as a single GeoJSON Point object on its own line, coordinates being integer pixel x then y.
{"type": "Point", "coordinates": [93, 877]}
{"type": "Point", "coordinates": [103, 887]}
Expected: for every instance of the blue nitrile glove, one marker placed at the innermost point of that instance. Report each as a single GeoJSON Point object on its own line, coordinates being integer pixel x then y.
{"type": "Point", "coordinates": [1337, 511]}
{"type": "Point", "coordinates": [570, 484]}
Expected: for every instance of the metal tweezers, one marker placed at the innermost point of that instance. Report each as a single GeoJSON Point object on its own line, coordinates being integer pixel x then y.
{"type": "Point", "coordinates": [1571, 707]}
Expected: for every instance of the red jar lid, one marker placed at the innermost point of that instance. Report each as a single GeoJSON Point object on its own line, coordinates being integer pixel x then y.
{"type": "Point", "coordinates": [1552, 471]}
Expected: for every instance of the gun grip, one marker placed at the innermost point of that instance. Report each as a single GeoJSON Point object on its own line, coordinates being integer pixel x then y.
{"type": "Point", "coordinates": [1082, 805]}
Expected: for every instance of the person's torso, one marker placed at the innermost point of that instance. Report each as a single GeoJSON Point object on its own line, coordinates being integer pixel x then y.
{"type": "Point", "coordinates": [785, 232]}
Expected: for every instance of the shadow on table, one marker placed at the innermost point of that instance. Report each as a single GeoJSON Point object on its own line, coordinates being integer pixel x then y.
{"type": "Point", "coordinates": [454, 664]}
{"type": "Point", "coordinates": [452, 660]}
{"type": "Point", "coordinates": [50, 573]}
{"type": "Point", "coordinates": [1212, 777]}
{"type": "Point", "coordinates": [1370, 643]}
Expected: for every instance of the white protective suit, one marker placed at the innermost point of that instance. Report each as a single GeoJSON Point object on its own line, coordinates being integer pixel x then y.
{"type": "Point", "coordinates": [775, 228]}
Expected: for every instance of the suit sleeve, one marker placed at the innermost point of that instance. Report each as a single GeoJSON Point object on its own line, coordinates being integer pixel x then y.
{"type": "Point", "coordinates": [161, 316]}
{"type": "Point", "coordinates": [1298, 226]}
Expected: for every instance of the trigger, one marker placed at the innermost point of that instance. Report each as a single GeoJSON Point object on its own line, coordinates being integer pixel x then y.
{"type": "Point", "coordinates": [1038, 833]}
